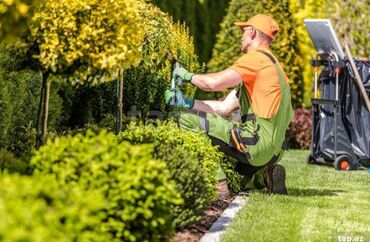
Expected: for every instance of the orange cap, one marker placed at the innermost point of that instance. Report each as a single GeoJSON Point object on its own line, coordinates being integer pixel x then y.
{"type": "Point", "coordinates": [263, 23]}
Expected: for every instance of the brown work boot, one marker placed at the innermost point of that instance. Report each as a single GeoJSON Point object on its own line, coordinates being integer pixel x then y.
{"type": "Point", "coordinates": [274, 177]}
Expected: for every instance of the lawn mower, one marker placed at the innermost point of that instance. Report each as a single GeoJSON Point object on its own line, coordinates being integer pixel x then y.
{"type": "Point", "coordinates": [341, 106]}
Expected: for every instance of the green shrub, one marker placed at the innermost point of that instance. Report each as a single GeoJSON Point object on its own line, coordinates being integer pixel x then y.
{"type": "Point", "coordinates": [37, 209]}
{"type": "Point", "coordinates": [228, 49]}
{"type": "Point", "coordinates": [137, 188]}
{"type": "Point", "coordinates": [20, 88]}
{"type": "Point", "coordinates": [233, 178]}
{"type": "Point", "coordinates": [165, 42]}
{"type": "Point", "coordinates": [12, 164]}
{"type": "Point", "coordinates": [192, 160]}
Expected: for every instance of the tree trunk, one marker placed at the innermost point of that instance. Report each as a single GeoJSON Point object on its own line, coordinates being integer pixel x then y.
{"type": "Point", "coordinates": [43, 111]}
{"type": "Point", "coordinates": [119, 106]}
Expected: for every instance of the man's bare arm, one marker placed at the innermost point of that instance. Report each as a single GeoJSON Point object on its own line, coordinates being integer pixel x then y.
{"type": "Point", "coordinates": [217, 81]}
{"type": "Point", "coordinates": [222, 108]}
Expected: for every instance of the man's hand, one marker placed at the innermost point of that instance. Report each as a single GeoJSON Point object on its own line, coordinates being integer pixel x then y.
{"type": "Point", "coordinates": [180, 100]}
{"type": "Point", "coordinates": [182, 73]}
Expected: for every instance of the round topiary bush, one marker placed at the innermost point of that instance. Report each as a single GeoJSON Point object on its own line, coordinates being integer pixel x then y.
{"type": "Point", "coordinates": [38, 209]}
{"type": "Point", "coordinates": [139, 194]}
{"type": "Point", "coordinates": [192, 160]}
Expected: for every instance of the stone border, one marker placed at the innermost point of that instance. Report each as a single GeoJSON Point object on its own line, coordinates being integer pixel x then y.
{"type": "Point", "coordinates": [218, 228]}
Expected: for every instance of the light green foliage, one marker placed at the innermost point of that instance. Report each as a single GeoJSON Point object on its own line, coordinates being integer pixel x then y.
{"type": "Point", "coordinates": [191, 159]}
{"type": "Point", "coordinates": [136, 187]}
{"type": "Point", "coordinates": [303, 10]}
{"type": "Point", "coordinates": [233, 178]}
{"type": "Point", "coordinates": [37, 209]}
{"type": "Point", "coordinates": [351, 20]}
{"type": "Point", "coordinates": [165, 42]}
{"type": "Point", "coordinates": [228, 46]}
{"type": "Point", "coordinates": [322, 204]}
{"type": "Point", "coordinates": [91, 40]}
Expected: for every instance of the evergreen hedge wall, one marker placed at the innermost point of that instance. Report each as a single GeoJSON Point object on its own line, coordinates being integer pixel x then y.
{"type": "Point", "coordinates": [20, 88]}
{"type": "Point", "coordinates": [203, 18]}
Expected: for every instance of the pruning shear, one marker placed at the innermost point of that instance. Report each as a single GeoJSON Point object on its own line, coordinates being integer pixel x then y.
{"type": "Point", "coordinates": [174, 80]}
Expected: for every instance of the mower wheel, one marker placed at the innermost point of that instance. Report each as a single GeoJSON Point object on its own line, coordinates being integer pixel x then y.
{"type": "Point", "coordinates": [311, 159]}
{"type": "Point", "coordinates": [343, 163]}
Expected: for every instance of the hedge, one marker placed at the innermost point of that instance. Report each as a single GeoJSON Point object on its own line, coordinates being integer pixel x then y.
{"type": "Point", "coordinates": [20, 87]}
{"type": "Point", "coordinates": [192, 160]}
{"type": "Point", "coordinates": [203, 18]}
{"type": "Point", "coordinates": [165, 42]}
{"type": "Point", "coordinates": [139, 194]}
{"type": "Point", "coordinates": [37, 209]}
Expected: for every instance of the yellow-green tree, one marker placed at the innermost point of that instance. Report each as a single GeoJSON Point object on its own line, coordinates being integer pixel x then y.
{"type": "Point", "coordinates": [84, 41]}
{"type": "Point", "coordinates": [303, 10]}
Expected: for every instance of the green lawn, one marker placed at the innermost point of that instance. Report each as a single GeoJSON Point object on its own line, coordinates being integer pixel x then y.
{"type": "Point", "coordinates": [323, 205]}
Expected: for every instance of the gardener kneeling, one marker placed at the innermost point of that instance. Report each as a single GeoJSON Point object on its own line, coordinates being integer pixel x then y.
{"type": "Point", "coordinates": [262, 94]}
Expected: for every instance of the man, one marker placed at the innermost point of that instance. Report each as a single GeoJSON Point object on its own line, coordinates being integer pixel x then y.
{"type": "Point", "coordinates": [263, 98]}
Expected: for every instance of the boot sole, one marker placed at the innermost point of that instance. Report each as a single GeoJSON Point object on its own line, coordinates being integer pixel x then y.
{"type": "Point", "coordinates": [278, 180]}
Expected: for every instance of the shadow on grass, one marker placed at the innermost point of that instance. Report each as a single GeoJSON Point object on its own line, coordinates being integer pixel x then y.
{"type": "Point", "coordinates": [313, 192]}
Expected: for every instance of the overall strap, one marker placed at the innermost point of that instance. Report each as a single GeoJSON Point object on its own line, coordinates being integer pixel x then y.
{"type": "Point", "coordinates": [277, 66]}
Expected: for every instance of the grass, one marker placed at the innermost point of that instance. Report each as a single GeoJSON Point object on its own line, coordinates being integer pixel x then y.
{"type": "Point", "coordinates": [323, 205]}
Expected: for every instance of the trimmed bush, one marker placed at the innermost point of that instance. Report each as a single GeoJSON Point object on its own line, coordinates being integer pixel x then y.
{"type": "Point", "coordinates": [165, 42]}
{"type": "Point", "coordinates": [300, 130]}
{"type": "Point", "coordinates": [12, 164]}
{"type": "Point", "coordinates": [137, 189]}
{"type": "Point", "coordinates": [233, 178]}
{"type": "Point", "coordinates": [192, 160]}
{"type": "Point", "coordinates": [228, 48]}
{"type": "Point", "coordinates": [20, 88]}
{"type": "Point", "coordinates": [37, 209]}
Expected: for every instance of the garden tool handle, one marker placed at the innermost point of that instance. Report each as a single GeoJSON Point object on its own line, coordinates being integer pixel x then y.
{"type": "Point", "coordinates": [173, 84]}
{"type": "Point", "coordinates": [358, 78]}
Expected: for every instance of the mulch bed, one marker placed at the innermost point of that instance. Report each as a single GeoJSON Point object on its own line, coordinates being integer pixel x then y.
{"type": "Point", "coordinates": [210, 215]}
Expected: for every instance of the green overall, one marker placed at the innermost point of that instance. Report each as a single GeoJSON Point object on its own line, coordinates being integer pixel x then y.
{"type": "Point", "coordinates": [260, 139]}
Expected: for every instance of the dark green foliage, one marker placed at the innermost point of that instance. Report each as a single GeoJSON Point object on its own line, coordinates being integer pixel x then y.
{"type": "Point", "coordinates": [285, 48]}
{"type": "Point", "coordinates": [300, 130]}
{"type": "Point", "coordinates": [37, 209]}
{"type": "Point", "coordinates": [191, 159]}
{"type": "Point", "coordinates": [11, 164]}
{"type": "Point", "coordinates": [203, 18]}
{"type": "Point", "coordinates": [139, 195]}
{"type": "Point", "coordinates": [20, 88]}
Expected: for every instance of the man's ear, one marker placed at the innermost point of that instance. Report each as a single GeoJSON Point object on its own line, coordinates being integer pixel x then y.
{"type": "Point", "coordinates": [253, 33]}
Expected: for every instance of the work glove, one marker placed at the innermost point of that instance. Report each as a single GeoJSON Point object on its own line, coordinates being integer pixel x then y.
{"type": "Point", "coordinates": [182, 73]}
{"type": "Point", "coordinates": [180, 100]}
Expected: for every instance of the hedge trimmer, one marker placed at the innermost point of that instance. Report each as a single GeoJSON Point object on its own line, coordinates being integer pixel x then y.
{"type": "Point", "coordinates": [174, 80]}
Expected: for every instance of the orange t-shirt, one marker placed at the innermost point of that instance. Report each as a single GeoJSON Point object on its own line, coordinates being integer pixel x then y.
{"type": "Point", "coordinates": [261, 80]}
